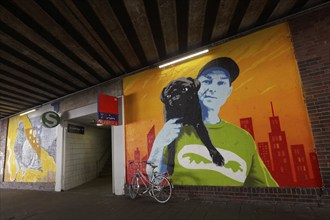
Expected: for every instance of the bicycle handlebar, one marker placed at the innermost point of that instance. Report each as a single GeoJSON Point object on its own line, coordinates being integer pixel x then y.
{"type": "Point", "coordinates": [144, 162]}
{"type": "Point", "coordinates": [137, 162]}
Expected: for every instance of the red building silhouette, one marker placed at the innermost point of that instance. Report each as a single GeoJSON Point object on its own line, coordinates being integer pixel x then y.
{"type": "Point", "coordinates": [150, 139]}
{"type": "Point", "coordinates": [264, 153]}
{"type": "Point", "coordinates": [300, 164]}
{"type": "Point", "coordinates": [131, 168]}
{"type": "Point", "coordinates": [316, 169]}
{"type": "Point", "coordinates": [276, 157]}
{"type": "Point", "coordinates": [246, 124]}
{"type": "Point", "coordinates": [143, 166]}
{"type": "Point", "coordinates": [137, 155]}
{"type": "Point", "coordinates": [279, 149]}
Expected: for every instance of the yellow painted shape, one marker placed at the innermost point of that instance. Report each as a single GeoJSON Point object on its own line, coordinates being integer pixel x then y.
{"type": "Point", "coordinates": [47, 163]}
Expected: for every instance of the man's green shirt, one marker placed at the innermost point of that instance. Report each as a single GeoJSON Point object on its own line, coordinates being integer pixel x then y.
{"type": "Point", "coordinates": [243, 166]}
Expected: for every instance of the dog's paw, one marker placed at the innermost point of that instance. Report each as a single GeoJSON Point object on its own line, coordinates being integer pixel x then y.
{"type": "Point", "coordinates": [217, 158]}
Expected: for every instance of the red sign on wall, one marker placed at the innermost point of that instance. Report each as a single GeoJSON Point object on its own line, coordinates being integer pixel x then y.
{"type": "Point", "coordinates": [107, 110]}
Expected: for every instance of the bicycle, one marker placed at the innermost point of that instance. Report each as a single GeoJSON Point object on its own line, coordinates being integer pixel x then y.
{"type": "Point", "coordinates": [159, 187]}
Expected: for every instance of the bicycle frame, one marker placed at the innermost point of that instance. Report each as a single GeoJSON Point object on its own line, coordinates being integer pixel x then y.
{"type": "Point", "coordinates": [144, 177]}
{"type": "Point", "coordinates": [155, 186]}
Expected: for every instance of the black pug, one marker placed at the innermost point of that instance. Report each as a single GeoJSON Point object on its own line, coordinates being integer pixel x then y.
{"type": "Point", "coordinates": [180, 100]}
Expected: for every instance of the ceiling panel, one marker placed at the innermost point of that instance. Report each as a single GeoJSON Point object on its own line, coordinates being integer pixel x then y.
{"type": "Point", "coordinates": [51, 48]}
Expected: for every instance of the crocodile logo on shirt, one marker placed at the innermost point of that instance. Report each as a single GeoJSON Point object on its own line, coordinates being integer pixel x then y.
{"type": "Point", "coordinates": [195, 156]}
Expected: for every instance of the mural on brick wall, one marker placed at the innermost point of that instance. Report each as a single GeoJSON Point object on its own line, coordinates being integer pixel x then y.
{"type": "Point", "coordinates": [234, 117]}
{"type": "Point", "coordinates": [31, 149]}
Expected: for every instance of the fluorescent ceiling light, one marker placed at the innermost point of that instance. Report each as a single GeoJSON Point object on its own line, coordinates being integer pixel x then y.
{"type": "Point", "coordinates": [27, 112]}
{"type": "Point", "coordinates": [184, 58]}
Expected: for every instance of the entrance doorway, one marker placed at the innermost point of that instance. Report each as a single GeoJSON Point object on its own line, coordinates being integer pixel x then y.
{"type": "Point", "coordinates": [87, 155]}
{"type": "Point", "coordinates": [86, 152]}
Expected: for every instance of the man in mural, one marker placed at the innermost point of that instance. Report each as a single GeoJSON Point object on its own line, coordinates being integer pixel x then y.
{"type": "Point", "coordinates": [193, 163]}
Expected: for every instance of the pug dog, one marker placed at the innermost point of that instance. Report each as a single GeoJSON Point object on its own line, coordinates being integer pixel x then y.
{"type": "Point", "coordinates": [181, 101]}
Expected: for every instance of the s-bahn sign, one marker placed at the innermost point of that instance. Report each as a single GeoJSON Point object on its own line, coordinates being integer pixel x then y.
{"type": "Point", "coordinates": [50, 119]}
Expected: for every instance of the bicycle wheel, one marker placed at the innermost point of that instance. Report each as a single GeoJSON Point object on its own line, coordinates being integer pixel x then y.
{"type": "Point", "coordinates": [133, 187]}
{"type": "Point", "coordinates": [162, 189]}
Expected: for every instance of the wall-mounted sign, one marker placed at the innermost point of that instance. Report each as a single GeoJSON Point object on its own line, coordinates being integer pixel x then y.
{"type": "Point", "coordinates": [107, 110]}
{"type": "Point", "coordinates": [76, 129]}
{"type": "Point", "coordinates": [50, 119]}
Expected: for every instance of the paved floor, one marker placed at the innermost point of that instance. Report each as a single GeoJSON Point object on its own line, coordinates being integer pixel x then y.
{"type": "Point", "coordinates": [95, 200]}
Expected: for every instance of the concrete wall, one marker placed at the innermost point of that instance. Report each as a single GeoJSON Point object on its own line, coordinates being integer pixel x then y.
{"type": "Point", "coordinates": [82, 155]}
{"type": "Point", "coordinates": [73, 101]}
{"type": "Point", "coordinates": [84, 103]}
{"type": "Point", "coordinates": [3, 138]}
{"type": "Point", "coordinates": [89, 96]}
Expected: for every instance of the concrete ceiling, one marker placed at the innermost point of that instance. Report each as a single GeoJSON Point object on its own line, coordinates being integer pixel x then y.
{"type": "Point", "coordinates": [50, 49]}
{"type": "Point", "coordinates": [88, 120]}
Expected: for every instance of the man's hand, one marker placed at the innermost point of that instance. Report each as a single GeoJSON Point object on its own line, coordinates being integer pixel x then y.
{"type": "Point", "coordinates": [166, 135]}
{"type": "Point", "coordinates": [169, 132]}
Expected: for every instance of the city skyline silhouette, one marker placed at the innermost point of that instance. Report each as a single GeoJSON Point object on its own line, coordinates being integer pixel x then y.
{"type": "Point", "coordinates": [287, 162]}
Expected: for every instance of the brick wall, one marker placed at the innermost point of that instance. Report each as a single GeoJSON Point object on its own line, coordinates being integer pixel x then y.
{"type": "Point", "coordinates": [255, 194]}
{"type": "Point", "coordinates": [310, 36]}
{"type": "Point", "coordinates": [311, 40]}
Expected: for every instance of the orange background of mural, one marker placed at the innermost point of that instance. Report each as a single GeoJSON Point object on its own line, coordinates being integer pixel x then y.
{"type": "Point", "coordinates": [268, 73]}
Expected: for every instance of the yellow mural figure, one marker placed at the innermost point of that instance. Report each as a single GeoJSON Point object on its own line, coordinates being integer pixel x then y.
{"type": "Point", "coordinates": [26, 159]}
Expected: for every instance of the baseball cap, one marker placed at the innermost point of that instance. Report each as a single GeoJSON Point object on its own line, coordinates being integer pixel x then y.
{"type": "Point", "coordinates": [221, 63]}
